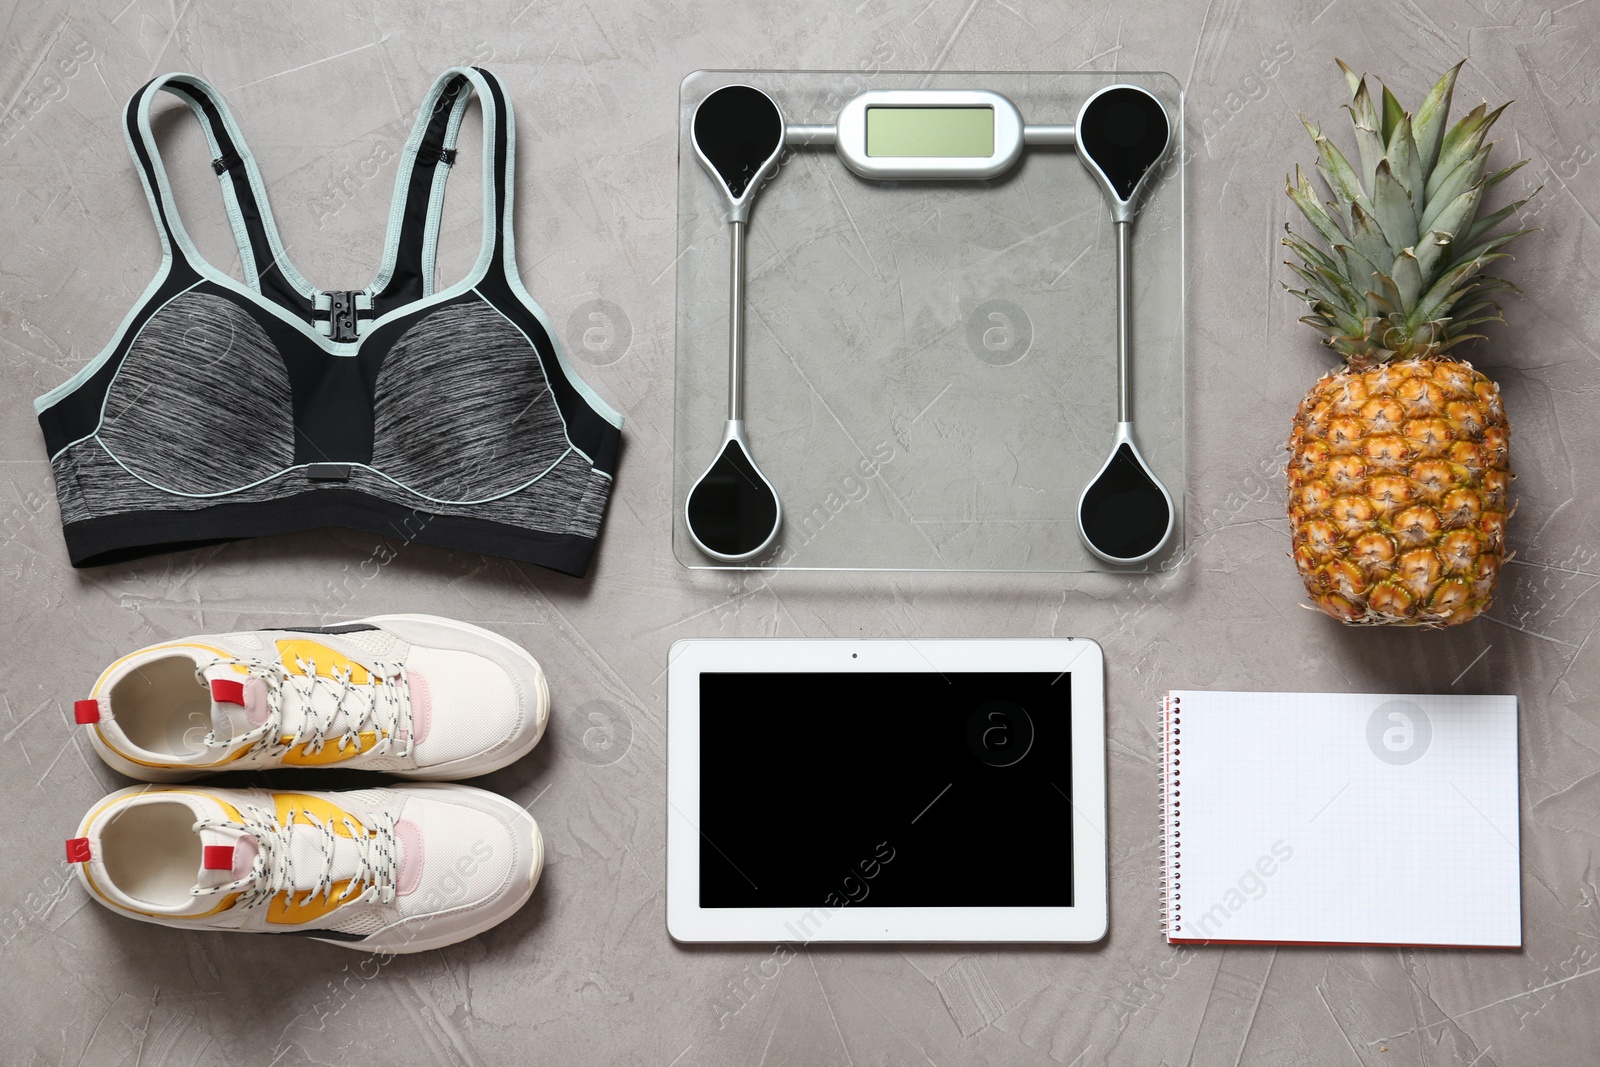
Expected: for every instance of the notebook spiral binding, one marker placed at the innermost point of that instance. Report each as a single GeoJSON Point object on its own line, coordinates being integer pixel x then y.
{"type": "Point", "coordinates": [1171, 901]}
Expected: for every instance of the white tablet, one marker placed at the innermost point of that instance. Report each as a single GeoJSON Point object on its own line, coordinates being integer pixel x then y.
{"type": "Point", "coordinates": [882, 790]}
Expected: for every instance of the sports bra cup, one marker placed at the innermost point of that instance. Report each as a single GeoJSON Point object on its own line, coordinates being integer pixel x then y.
{"type": "Point", "coordinates": [224, 410]}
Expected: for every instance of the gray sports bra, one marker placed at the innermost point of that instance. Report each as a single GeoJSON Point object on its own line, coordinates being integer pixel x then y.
{"type": "Point", "coordinates": [223, 411]}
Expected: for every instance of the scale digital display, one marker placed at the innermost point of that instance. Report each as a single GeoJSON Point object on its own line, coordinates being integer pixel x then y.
{"type": "Point", "coordinates": [941, 132]}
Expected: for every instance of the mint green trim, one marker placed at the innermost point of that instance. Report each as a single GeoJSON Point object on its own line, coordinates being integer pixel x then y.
{"type": "Point", "coordinates": [252, 172]}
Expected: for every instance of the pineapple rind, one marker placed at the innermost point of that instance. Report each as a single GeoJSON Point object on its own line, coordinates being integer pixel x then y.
{"type": "Point", "coordinates": [1398, 493]}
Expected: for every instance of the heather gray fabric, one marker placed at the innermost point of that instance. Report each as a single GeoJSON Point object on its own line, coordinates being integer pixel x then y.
{"type": "Point", "coordinates": [457, 429]}
{"type": "Point", "coordinates": [200, 374]}
{"type": "Point", "coordinates": [84, 472]}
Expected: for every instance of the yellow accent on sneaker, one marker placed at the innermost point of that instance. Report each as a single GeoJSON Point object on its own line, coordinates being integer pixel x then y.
{"type": "Point", "coordinates": [323, 810]}
{"type": "Point", "coordinates": [294, 909]}
{"type": "Point", "coordinates": [329, 664]}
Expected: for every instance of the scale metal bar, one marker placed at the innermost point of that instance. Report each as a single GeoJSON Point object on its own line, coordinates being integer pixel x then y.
{"type": "Point", "coordinates": [1124, 298]}
{"type": "Point", "coordinates": [736, 321]}
{"type": "Point", "coordinates": [1063, 134]}
{"type": "Point", "coordinates": [811, 134]}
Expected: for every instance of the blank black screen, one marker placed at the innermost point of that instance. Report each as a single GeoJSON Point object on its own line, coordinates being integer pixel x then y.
{"type": "Point", "coordinates": [885, 790]}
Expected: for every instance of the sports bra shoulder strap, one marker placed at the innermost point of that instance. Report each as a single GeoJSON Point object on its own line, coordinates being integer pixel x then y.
{"type": "Point", "coordinates": [429, 153]}
{"type": "Point", "coordinates": [266, 268]}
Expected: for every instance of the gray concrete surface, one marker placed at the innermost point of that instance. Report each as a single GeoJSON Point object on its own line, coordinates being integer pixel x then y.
{"type": "Point", "coordinates": [586, 974]}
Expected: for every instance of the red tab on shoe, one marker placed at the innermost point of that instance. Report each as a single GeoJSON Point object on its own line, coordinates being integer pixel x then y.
{"type": "Point", "coordinates": [225, 691]}
{"type": "Point", "coordinates": [86, 711]}
{"type": "Point", "coordinates": [216, 858]}
{"type": "Point", "coordinates": [78, 850]}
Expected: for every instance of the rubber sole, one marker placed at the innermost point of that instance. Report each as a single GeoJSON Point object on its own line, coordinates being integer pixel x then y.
{"type": "Point", "coordinates": [153, 775]}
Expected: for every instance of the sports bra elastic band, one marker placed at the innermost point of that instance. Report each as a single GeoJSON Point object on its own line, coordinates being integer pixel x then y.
{"type": "Point", "coordinates": [223, 410]}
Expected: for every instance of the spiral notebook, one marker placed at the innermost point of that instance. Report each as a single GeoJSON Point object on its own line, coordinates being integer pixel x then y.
{"type": "Point", "coordinates": [1321, 818]}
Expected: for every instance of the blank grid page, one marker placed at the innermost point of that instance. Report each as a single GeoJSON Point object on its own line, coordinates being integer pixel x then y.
{"type": "Point", "coordinates": [1344, 818]}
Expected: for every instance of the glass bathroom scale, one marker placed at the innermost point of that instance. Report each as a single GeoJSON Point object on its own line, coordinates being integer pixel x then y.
{"type": "Point", "coordinates": [929, 322]}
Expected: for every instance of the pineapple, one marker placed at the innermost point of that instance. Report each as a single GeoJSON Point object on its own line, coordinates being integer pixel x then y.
{"type": "Point", "coordinates": [1400, 458]}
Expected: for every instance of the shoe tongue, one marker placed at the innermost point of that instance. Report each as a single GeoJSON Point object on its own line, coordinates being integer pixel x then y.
{"type": "Point", "coordinates": [238, 701]}
{"type": "Point", "coordinates": [227, 853]}
{"type": "Point", "coordinates": [310, 860]}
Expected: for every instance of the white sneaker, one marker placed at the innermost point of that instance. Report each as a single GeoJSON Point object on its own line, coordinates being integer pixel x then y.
{"type": "Point", "coordinates": [411, 695]}
{"type": "Point", "coordinates": [400, 869]}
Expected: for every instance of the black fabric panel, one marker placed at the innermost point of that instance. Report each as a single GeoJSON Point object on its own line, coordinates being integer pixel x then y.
{"type": "Point", "coordinates": [77, 414]}
{"type": "Point", "coordinates": [336, 628]}
{"type": "Point", "coordinates": [502, 133]}
{"type": "Point", "coordinates": [333, 410]}
{"type": "Point", "coordinates": [136, 535]}
{"type": "Point", "coordinates": [407, 284]}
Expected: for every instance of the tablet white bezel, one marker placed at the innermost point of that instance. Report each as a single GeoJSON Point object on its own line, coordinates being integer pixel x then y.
{"type": "Point", "coordinates": [1085, 921]}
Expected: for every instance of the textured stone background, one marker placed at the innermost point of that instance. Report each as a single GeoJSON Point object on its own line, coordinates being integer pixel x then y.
{"type": "Point", "coordinates": [586, 974]}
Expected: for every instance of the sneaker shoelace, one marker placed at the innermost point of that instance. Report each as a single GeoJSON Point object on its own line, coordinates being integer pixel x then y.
{"type": "Point", "coordinates": [384, 701]}
{"type": "Point", "coordinates": [273, 872]}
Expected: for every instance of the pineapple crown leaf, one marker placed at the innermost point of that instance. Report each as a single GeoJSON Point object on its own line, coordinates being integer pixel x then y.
{"type": "Point", "coordinates": [1429, 125]}
{"type": "Point", "coordinates": [1399, 243]}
